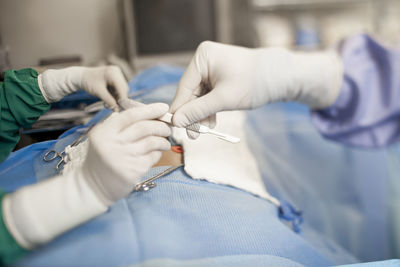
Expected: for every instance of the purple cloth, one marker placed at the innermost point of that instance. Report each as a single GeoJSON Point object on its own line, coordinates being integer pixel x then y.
{"type": "Point", "coordinates": [367, 111]}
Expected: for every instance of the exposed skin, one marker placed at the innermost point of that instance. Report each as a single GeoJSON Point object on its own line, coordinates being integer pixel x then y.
{"type": "Point", "coordinates": [170, 158]}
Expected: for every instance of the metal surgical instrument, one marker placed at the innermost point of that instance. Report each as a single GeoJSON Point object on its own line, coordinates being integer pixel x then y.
{"type": "Point", "coordinates": [53, 154]}
{"type": "Point", "coordinates": [149, 183]}
{"type": "Point", "coordinates": [199, 128]}
{"type": "Point", "coordinates": [196, 127]}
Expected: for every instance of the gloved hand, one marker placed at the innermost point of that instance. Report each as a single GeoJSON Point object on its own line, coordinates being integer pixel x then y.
{"type": "Point", "coordinates": [126, 152]}
{"type": "Point", "coordinates": [224, 77]}
{"type": "Point", "coordinates": [121, 150]}
{"type": "Point", "coordinates": [55, 84]}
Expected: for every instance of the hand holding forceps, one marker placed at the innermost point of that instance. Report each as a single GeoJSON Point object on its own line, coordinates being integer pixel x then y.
{"type": "Point", "coordinates": [53, 154]}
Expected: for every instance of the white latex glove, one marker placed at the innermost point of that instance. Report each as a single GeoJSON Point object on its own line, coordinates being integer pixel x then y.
{"type": "Point", "coordinates": [224, 77]}
{"type": "Point", "coordinates": [55, 84]}
{"type": "Point", "coordinates": [125, 148]}
{"type": "Point", "coordinates": [121, 150]}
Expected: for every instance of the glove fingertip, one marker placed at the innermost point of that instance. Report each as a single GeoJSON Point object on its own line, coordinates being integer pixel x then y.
{"type": "Point", "coordinates": [110, 103]}
{"type": "Point", "coordinates": [180, 120]}
{"type": "Point", "coordinates": [163, 107]}
{"type": "Point", "coordinates": [212, 121]}
{"type": "Point", "coordinates": [192, 135]}
{"type": "Point", "coordinates": [159, 107]}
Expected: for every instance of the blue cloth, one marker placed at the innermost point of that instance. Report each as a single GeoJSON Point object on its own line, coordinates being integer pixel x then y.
{"type": "Point", "coordinates": [388, 263]}
{"type": "Point", "coordinates": [231, 261]}
{"type": "Point", "coordinates": [249, 260]}
{"type": "Point", "coordinates": [190, 220]}
{"type": "Point", "coordinates": [367, 110]}
{"type": "Point", "coordinates": [183, 219]}
{"type": "Point", "coordinates": [342, 191]}
{"type": "Point", "coordinates": [366, 114]}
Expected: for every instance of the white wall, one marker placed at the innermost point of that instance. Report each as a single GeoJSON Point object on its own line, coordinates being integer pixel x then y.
{"type": "Point", "coordinates": [34, 29]}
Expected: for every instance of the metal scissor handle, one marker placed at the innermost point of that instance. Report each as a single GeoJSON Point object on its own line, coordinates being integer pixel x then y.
{"type": "Point", "coordinates": [149, 183]}
{"type": "Point", "coordinates": [52, 155]}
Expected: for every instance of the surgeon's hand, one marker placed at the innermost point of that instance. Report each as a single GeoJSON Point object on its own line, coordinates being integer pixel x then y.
{"type": "Point", "coordinates": [55, 84]}
{"type": "Point", "coordinates": [225, 77]}
{"type": "Point", "coordinates": [121, 150]}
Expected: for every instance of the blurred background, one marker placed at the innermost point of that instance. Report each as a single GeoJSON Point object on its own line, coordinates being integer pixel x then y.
{"type": "Point", "coordinates": [140, 33]}
{"type": "Point", "coordinates": [136, 34]}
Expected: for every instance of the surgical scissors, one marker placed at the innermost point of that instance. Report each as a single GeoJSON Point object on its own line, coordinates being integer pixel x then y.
{"type": "Point", "coordinates": [53, 154]}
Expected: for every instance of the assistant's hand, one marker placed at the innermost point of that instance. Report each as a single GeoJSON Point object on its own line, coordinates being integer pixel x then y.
{"type": "Point", "coordinates": [225, 77]}
{"type": "Point", "coordinates": [55, 84]}
{"type": "Point", "coordinates": [121, 150]}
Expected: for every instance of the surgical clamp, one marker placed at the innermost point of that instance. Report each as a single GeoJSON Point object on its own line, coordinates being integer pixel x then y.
{"type": "Point", "coordinates": [149, 183]}
{"type": "Point", "coordinates": [53, 154]}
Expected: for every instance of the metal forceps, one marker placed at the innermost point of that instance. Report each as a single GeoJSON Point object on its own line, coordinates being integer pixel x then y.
{"type": "Point", "coordinates": [53, 154]}
{"type": "Point", "coordinates": [149, 183]}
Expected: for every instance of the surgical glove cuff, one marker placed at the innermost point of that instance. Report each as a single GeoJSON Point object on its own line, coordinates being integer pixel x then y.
{"type": "Point", "coordinates": [36, 214]}
{"type": "Point", "coordinates": [55, 84]}
{"type": "Point", "coordinates": [311, 78]}
{"type": "Point", "coordinates": [317, 78]}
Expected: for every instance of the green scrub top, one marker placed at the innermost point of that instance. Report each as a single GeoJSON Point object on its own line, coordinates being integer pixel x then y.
{"type": "Point", "coordinates": [21, 104]}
